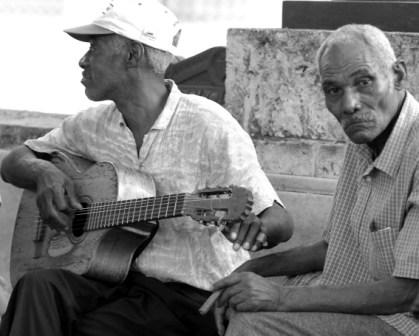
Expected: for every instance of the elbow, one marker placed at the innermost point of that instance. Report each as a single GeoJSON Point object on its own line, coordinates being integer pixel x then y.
{"type": "Point", "coordinates": [410, 295]}
{"type": "Point", "coordinates": [11, 161]}
{"type": "Point", "coordinates": [6, 165]}
{"type": "Point", "coordinates": [288, 227]}
{"type": "Point", "coordinates": [281, 226]}
{"type": "Point", "coordinates": [402, 295]}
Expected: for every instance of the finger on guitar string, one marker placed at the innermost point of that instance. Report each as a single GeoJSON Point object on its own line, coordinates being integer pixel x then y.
{"type": "Point", "coordinates": [231, 231]}
{"type": "Point", "coordinates": [241, 230]}
{"type": "Point", "coordinates": [254, 231]}
{"type": "Point", "coordinates": [71, 196]}
{"type": "Point", "coordinates": [49, 210]}
{"type": "Point", "coordinates": [261, 242]}
{"type": "Point", "coordinates": [247, 233]}
{"type": "Point", "coordinates": [56, 198]}
{"type": "Point", "coordinates": [56, 220]}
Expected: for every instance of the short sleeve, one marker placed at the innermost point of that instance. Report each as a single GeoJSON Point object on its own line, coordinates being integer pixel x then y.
{"type": "Point", "coordinates": [76, 135]}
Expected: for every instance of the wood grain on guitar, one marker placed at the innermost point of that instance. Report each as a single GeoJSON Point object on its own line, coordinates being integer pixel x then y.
{"type": "Point", "coordinates": [108, 233]}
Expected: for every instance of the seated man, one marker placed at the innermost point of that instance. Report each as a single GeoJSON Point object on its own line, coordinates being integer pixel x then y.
{"type": "Point", "coordinates": [184, 142]}
{"type": "Point", "coordinates": [369, 255]}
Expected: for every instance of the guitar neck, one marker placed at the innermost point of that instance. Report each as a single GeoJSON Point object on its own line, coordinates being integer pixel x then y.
{"type": "Point", "coordinates": [112, 214]}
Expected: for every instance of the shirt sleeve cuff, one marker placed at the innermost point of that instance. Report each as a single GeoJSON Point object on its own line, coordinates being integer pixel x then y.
{"type": "Point", "coordinates": [406, 270]}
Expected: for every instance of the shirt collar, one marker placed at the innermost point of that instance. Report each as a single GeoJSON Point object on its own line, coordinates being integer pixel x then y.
{"type": "Point", "coordinates": [390, 157]}
{"type": "Point", "coordinates": [165, 116]}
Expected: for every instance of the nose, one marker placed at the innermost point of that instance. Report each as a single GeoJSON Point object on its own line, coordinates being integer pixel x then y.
{"type": "Point", "coordinates": [350, 101]}
{"type": "Point", "coordinates": [83, 61]}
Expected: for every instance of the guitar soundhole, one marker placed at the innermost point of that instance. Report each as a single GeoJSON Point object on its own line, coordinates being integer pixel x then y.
{"type": "Point", "coordinates": [80, 220]}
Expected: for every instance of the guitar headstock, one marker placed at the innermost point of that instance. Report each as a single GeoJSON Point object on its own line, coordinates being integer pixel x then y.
{"type": "Point", "coordinates": [221, 205]}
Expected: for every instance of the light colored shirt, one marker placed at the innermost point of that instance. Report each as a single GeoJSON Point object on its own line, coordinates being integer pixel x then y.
{"type": "Point", "coordinates": [194, 143]}
{"type": "Point", "coordinates": [373, 231]}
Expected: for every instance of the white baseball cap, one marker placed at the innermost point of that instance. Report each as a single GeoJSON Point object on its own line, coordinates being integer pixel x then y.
{"type": "Point", "coordinates": [145, 21]}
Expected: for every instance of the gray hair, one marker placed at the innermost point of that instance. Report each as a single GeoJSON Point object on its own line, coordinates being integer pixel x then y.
{"type": "Point", "coordinates": [372, 37]}
{"type": "Point", "coordinates": [158, 59]}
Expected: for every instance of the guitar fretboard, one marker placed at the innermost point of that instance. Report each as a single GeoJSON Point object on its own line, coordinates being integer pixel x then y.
{"type": "Point", "coordinates": [110, 214]}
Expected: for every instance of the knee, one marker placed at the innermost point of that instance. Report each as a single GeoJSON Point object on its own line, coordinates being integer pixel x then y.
{"type": "Point", "coordinates": [240, 325]}
{"type": "Point", "coordinates": [38, 279]}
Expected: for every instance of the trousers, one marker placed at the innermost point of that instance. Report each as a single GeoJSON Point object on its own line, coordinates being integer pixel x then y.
{"type": "Point", "coordinates": [308, 324]}
{"type": "Point", "coordinates": [58, 302]}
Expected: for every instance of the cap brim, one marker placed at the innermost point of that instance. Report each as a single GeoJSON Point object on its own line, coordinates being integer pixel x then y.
{"type": "Point", "coordinates": [84, 33]}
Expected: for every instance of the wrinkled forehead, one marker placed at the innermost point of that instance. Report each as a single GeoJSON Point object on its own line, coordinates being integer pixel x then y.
{"type": "Point", "coordinates": [347, 56]}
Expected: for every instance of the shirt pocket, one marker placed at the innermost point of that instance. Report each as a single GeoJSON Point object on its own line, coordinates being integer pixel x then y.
{"type": "Point", "coordinates": [381, 254]}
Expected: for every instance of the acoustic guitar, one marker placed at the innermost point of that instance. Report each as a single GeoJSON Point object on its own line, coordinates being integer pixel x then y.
{"type": "Point", "coordinates": [116, 222]}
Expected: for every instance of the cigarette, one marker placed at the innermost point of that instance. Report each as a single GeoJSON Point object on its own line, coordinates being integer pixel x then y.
{"type": "Point", "coordinates": [209, 303]}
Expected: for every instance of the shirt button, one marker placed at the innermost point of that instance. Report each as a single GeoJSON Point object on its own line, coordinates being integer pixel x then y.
{"type": "Point", "coordinates": [368, 179]}
{"type": "Point", "coordinates": [121, 124]}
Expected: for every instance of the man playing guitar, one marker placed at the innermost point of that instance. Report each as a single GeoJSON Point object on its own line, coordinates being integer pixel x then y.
{"type": "Point", "coordinates": [185, 143]}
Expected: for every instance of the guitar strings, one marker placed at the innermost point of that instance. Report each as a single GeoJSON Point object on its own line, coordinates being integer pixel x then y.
{"type": "Point", "coordinates": [87, 210]}
{"type": "Point", "coordinates": [112, 209]}
{"type": "Point", "coordinates": [124, 203]}
{"type": "Point", "coordinates": [133, 204]}
{"type": "Point", "coordinates": [134, 213]}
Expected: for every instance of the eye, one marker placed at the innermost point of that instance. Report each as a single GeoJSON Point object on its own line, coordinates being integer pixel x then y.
{"type": "Point", "coordinates": [92, 47]}
{"type": "Point", "coordinates": [332, 91]}
{"type": "Point", "coordinates": [364, 82]}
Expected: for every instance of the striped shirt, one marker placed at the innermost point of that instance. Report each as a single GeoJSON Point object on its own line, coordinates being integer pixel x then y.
{"type": "Point", "coordinates": [373, 230]}
{"type": "Point", "coordinates": [194, 143]}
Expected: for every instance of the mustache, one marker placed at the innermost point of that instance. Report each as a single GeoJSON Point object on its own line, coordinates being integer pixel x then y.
{"type": "Point", "coordinates": [355, 119]}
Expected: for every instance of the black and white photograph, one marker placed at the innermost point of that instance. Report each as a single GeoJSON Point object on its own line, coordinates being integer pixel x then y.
{"type": "Point", "coordinates": [209, 168]}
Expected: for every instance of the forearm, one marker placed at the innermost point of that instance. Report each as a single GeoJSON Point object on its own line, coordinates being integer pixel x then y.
{"type": "Point", "coordinates": [299, 260]}
{"type": "Point", "coordinates": [21, 167]}
{"type": "Point", "coordinates": [390, 296]}
{"type": "Point", "coordinates": [277, 224]}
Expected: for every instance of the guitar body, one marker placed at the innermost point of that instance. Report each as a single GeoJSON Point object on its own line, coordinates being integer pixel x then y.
{"type": "Point", "coordinates": [118, 219]}
{"type": "Point", "coordinates": [104, 254]}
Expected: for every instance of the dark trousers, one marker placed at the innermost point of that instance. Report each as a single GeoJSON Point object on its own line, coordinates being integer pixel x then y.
{"type": "Point", "coordinates": [57, 302]}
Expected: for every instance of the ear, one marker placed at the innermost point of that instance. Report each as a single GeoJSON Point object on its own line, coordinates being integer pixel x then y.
{"type": "Point", "coordinates": [400, 71]}
{"type": "Point", "coordinates": [135, 54]}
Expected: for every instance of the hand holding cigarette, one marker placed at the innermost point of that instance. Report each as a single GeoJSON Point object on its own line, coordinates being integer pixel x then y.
{"type": "Point", "coordinates": [209, 302]}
